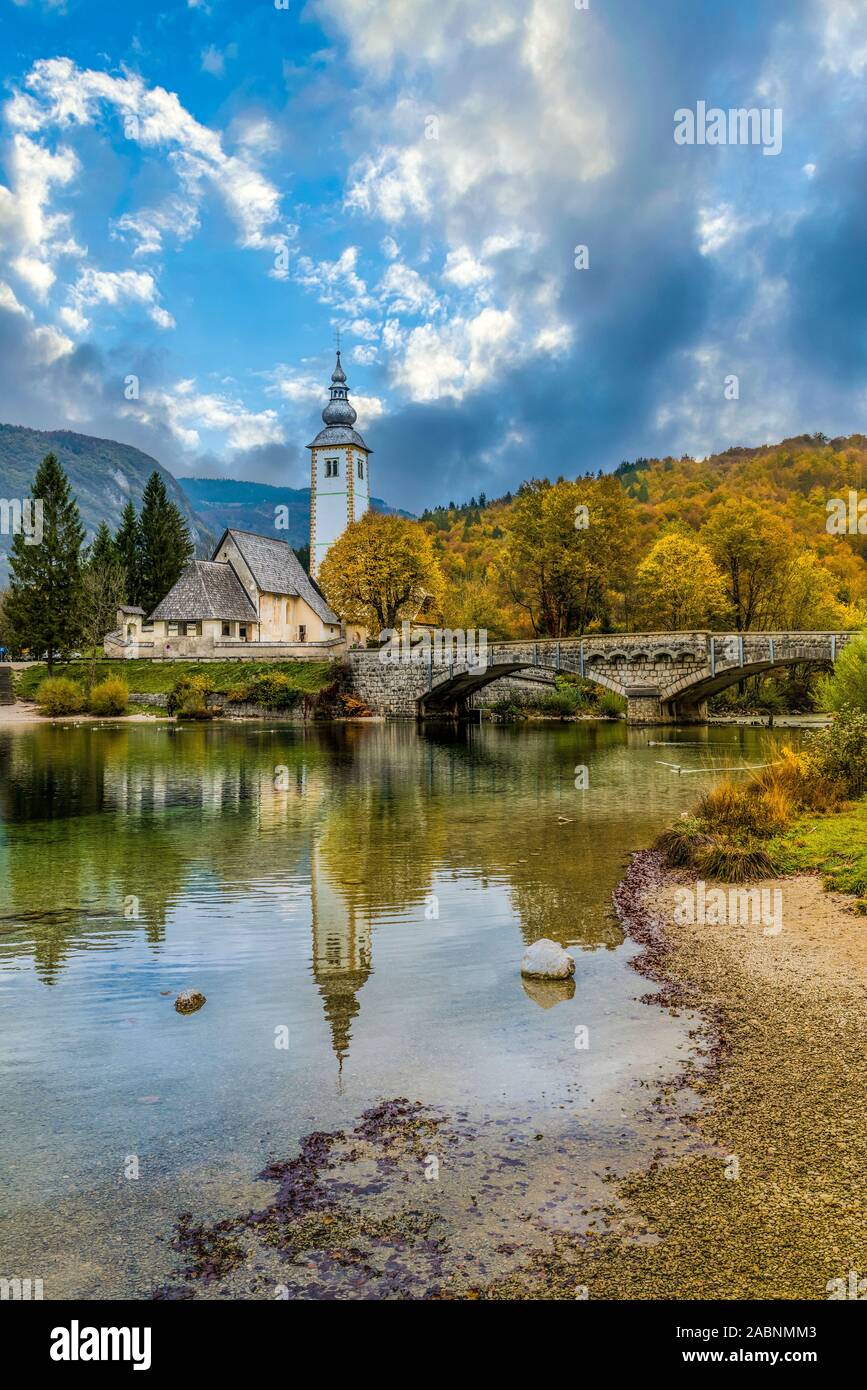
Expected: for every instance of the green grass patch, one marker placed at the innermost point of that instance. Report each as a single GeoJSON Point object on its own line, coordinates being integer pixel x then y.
{"type": "Point", "coordinates": [834, 846]}
{"type": "Point", "coordinates": [159, 677]}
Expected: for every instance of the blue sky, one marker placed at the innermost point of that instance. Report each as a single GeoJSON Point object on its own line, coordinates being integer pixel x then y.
{"type": "Point", "coordinates": [198, 195]}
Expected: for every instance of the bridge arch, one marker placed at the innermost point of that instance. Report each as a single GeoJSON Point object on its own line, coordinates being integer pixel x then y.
{"type": "Point", "coordinates": [663, 676]}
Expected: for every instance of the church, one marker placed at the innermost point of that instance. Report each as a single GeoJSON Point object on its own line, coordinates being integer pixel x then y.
{"type": "Point", "coordinates": [253, 597]}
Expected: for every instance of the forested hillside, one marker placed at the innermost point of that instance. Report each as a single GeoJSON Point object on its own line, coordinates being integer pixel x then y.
{"type": "Point", "coordinates": [737, 539]}
{"type": "Point", "coordinates": [104, 477]}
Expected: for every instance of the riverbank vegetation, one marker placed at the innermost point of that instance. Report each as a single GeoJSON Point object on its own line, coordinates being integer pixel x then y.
{"type": "Point", "coordinates": [160, 677]}
{"type": "Point", "coordinates": [775, 822]}
{"type": "Point", "coordinates": [568, 698]}
{"type": "Point", "coordinates": [58, 695]}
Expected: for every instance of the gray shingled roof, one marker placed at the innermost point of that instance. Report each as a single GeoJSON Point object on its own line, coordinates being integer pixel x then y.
{"type": "Point", "coordinates": [338, 434]}
{"type": "Point", "coordinates": [206, 590]}
{"type": "Point", "coordinates": [277, 570]}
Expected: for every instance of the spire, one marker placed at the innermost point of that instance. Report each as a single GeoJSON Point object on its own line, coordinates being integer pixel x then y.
{"type": "Point", "coordinates": [338, 410]}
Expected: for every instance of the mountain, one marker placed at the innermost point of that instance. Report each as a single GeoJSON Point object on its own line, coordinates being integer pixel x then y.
{"type": "Point", "coordinates": [104, 476]}
{"type": "Point", "coordinates": [222, 502]}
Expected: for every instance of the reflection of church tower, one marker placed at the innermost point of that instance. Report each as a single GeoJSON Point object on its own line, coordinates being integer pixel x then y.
{"type": "Point", "coordinates": [339, 481]}
{"type": "Point", "coordinates": [342, 958]}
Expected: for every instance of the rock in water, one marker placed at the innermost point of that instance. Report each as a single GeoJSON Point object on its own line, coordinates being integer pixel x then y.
{"type": "Point", "coordinates": [545, 960]}
{"type": "Point", "coordinates": [189, 1000]}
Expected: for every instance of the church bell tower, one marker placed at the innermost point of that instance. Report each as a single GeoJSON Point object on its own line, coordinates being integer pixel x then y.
{"type": "Point", "coordinates": [339, 475]}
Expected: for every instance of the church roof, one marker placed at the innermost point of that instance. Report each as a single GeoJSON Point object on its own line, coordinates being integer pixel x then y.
{"type": "Point", "coordinates": [277, 570]}
{"type": "Point", "coordinates": [339, 415]}
{"type": "Point", "coordinates": [206, 590]}
{"type": "Point", "coordinates": [339, 434]}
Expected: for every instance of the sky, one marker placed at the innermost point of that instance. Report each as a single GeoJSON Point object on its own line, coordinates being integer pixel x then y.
{"type": "Point", "coordinates": [196, 197]}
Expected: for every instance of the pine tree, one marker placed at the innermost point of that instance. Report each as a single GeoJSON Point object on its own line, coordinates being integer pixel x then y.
{"type": "Point", "coordinates": [42, 609]}
{"type": "Point", "coordinates": [166, 547]}
{"type": "Point", "coordinates": [102, 551]}
{"type": "Point", "coordinates": [127, 543]}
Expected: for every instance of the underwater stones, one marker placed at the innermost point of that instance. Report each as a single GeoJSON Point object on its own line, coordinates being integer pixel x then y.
{"type": "Point", "coordinates": [189, 1000]}
{"type": "Point", "coordinates": [545, 960]}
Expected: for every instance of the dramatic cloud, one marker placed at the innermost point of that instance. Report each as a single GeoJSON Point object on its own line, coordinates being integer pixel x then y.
{"type": "Point", "coordinates": [527, 272]}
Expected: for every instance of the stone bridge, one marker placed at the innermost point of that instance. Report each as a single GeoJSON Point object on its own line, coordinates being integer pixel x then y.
{"type": "Point", "coordinates": [664, 677]}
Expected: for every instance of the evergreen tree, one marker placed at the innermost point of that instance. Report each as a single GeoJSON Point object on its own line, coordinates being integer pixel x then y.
{"type": "Point", "coordinates": [102, 552]}
{"type": "Point", "coordinates": [166, 547]}
{"type": "Point", "coordinates": [42, 609]}
{"type": "Point", "coordinates": [127, 545]}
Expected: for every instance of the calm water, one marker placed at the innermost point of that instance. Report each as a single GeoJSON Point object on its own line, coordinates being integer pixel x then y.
{"type": "Point", "coordinates": [371, 890]}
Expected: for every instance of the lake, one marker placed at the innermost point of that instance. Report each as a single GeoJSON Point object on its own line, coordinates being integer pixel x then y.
{"type": "Point", "coordinates": [354, 901]}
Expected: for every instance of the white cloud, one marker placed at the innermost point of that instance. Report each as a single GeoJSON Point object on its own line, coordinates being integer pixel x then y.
{"type": "Point", "coordinates": [455, 358]}
{"type": "Point", "coordinates": [37, 274]}
{"type": "Point", "coordinates": [178, 217]}
{"type": "Point", "coordinates": [463, 270]}
{"type": "Point", "coordinates": [61, 96]}
{"type": "Point", "coordinates": [405, 292]}
{"type": "Point", "coordinates": [51, 344]}
{"type": "Point", "coordinates": [393, 185]}
{"type": "Point", "coordinates": [10, 303]}
{"type": "Point", "coordinates": [115, 287]}
{"type": "Point", "coordinates": [189, 413]}
{"type": "Point", "coordinates": [214, 59]}
{"type": "Point", "coordinates": [336, 282]}
{"type": "Point", "coordinates": [364, 355]}
{"type": "Point", "coordinates": [845, 36]}
{"type": "Point", "coordinates": [27, 226]}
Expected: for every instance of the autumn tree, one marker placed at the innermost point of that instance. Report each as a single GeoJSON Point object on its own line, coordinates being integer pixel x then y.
{"type": "Point", "coordinates": [681, 585]}
{"type": "Point", "coordinates": [569, 553]}
{"type": "Point", "coordinates": [42, 608]}
{"type": "Point", "coordinates": [380, 571]}
{"type": "Point", "coordinates": [754, 550]}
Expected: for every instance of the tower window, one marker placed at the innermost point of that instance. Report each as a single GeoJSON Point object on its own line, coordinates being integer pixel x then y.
{"type": "Point", "coordinates": [332, 468]}
{"type": "Point", "coordinates": [360, 468]}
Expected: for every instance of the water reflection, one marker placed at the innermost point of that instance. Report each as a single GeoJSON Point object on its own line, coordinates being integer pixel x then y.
{"type": "Point", "coordinates": [106, 832]}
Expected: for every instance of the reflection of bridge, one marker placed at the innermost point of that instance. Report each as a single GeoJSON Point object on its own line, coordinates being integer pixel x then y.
{"type": "Point", "coordinates": [664, 676]}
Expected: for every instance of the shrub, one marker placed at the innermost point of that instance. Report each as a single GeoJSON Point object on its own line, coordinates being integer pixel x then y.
{"type": "Point", "coordinates": [188, 698]}
{"type": "Point", "coordinates": [59, 695]}
{"type": "Point", "coordinates": [680, 843]}
{"type": "Point", "coordinates": [270, 689]}
{"type": "Point", "coordinates": [110, 696]}
{"type": "Point", "coordinates": [564, 700]}
{"type": "Point", "coordinates": [846, 688]}
{"type": "Point", "coordinates": [837, 755]}
{"type": "Point", "coordinates": [610, 704]}
{"type": "Point", "coordinates": [733, 861]}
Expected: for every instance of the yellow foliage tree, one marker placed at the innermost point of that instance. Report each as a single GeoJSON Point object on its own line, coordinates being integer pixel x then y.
{"type": "Point", "coordinates": [380, 571]}
{"type": "Point", "coordinates": [681, 586]}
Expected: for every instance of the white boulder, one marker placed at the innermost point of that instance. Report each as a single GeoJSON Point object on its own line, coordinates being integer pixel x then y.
{"type": "Point", "coordinates": [545, 960]}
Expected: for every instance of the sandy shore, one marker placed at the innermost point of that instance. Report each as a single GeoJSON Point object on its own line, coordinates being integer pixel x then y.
{"type": "Point", "coordinates": [23, 712]}
{"type": "Point", "coordinates": [774, 1207]}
